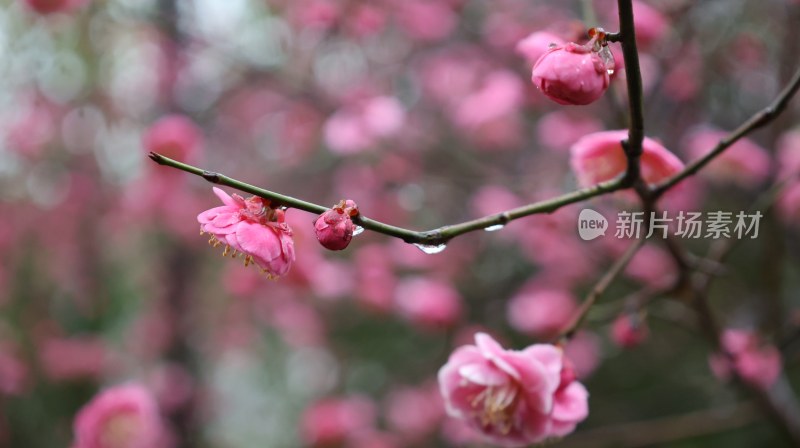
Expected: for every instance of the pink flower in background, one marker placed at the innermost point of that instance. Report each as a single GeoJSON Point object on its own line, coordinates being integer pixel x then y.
{"type": "Point", "coordinates": [429, 303]}
{"type": "Point", "coordinates": [559, 130]}
{"type": "Point", "coordinates": [124, 416]}
{"type": "Point", "coordinates": [490, 114]}
{"type": "Point", "coordinates": [54, 6]}
{"type": "Point", "coordinates": [334, 228]}
{"type": "Point", "coordinates": [513, 398]}
{"type": "Point", "coordinates": [584, 350]}
{"type": "Point", "coordinates": [789, 154]}
{"type": "Point", "coordinates": [330, 422]}
{"type": "Point", "coordinates": [541, 312]}
{"type": "Point", "coordinates": [14, 373]}
{"type": "Point", "coordinates": [629, 331]}
{"type": "Point", "coordinates": [425, 20]}
{"type": "Point", "coordinates": [66, 359]}
{"type": "Point", "coordinates": [174, 136]}
{"type": "Point", "coordinates": [599, 157]}
{"type": "Point", "coordinates": [414, 412]}
{"type": "Point", "coordinates": [744, 163]}
{"type": "Point", "coordinates": [753, 361]}
{"type": "Point", "coordinates": [649, 23]}
{"type": "Point", "coordinates": [537, 44]}
{"type": "Point", "coordinates": [571, 74]}
{"type": "Point", "coordinates": [652, 266]}
{"type": "Point", "coordinates": [788, 203]}
{"type": "Point", "coordinates": [355, 128]}
{"type": "Point", "coordinates": [254, 229]}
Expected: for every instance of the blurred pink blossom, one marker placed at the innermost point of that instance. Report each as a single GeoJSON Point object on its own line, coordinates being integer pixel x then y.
{"type": "Point", "coordinates": [788, 203]}
{"type": "Point", "coordinates": [331, 421]}
{"type": "Point", "coordinates": [752, 360]}
{"type": "Point", "coordinates": [122, 416]}
{"type": "Point", "coordinates": [629, 331]}
{"type": "Point", "coordinates": [599, 157]}
{"type": "Point", "coordinates": [652, 266]}
{"type": "Point", "coordinates": [174, 136]}
{"type": "Point", "coordinates": [251, 227]}
{"type": "Point", "coordinates": [744, 163]}
{"type": "Point", "coordinates": [584, 350]}
{"type": "Point", "coordinates": [426, 20]}
{"type": "Point", "coordinates": [66, 359]}
{"type": "Point", "coordinates": [789, 154]}
{"type": "Point", "coordinates": [54, 6]}
{"type": "Point", "coordinates": [537, 44]}
{"type": "Point", "coordinates": [14, 372]}
{"type": "Point", "coordinates": [559, 130]}
{"type": "Point", "coordinates": [429, 303]}
{"type": "Point", "coordinates": [571, 74]}
{"type": "Point", "coordinates": [513, 398]}
{"type": "Point", "coordinates": [414, 412]}
{"type": "Point", "coordinates": [355, 128]}
{"type": "Point", "coordinates": [541, 312]}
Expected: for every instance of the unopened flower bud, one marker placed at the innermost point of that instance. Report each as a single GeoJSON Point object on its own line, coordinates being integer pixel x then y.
{"type": "Point", "coordinates": [335, 227]}
{"type": "Point", "coordinates": [572, 74]}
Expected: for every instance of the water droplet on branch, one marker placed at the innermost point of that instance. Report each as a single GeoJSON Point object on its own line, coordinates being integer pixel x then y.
{"type": "Point", "coordinates": [358, 230]}
{"type": "Point", "coordinates": [494, 228]}
{"type": "Point", "coordinates": [428, 249]}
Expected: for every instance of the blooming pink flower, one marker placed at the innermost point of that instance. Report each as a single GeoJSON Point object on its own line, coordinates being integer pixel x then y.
{"type": "Point", "coordinates": [628, 333]}
{"type": "Point", "coordinates": [541, 312]}
{"type": "Point", "coordinates": [254, 229]}
{"type": "Point", "coordinates": [743, 163]}
{"type": "Point", "coordinates": [514, 398]}
{"type": "Point", "coordinates": [599, 157]}
{"type": "Point", "coordinates": [571, 74]}
{"type": "Point", "coordinates": [330, 422]}
{"type": "Point", "coordinates": [754, 362]}
{"type": "Point", "coordinates": [335, 227]}
{"type": "Point", "coordinates": [537, 44]}
{"type": "Point", "coordinates": [120, 417]}
{"type": "Point", "coordinates": [430, 303]}
{"type": "Point", "coordinates": [174, 136]}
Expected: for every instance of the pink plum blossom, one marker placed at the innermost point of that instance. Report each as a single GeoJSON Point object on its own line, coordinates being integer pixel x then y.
{"type": "Point", "coordinates": [559, 130]}
{"type": "Point", "coordinates": [414, 412]}
{"type": "Point", "coordinates": [537, 44]}
{"type": "Point", "coordinates": [599, 157]}
{"type": "Point", "coordinates": [254, 229]}
{"type": "Point", "coordinates": [123, 416]}
{"type": "Point", "coordinates": [788, 203]}
{"type": "Point", "coordinates": [571, 74]}
{"type": "Point", "coordinates": [629, 331]}
{"type": "Point", "coordinates": [753, 361]}
{"type": "Point", "coordinates": [789, 153]}
{"type": "Point", "coordinates": [358, 127]}
{"type": "Point", "coordinates": [334, 228]}
{"type": "Point", "coordinates": [652, 266]}
{"type": "Point", "coordinates": [744, 163]}
{"type": "Point", "coordinates": [513, 398]}
{"type": "Point", "coordinates": [14, 373]}
{"type": "Point", "coordinates": [174, 136]}
{"type": "Point", "coordinates": [331, 421]}
{"type": "Point", "coordinates": [429, 303]}
{"type": "Point", "coordinates": [541, 312]}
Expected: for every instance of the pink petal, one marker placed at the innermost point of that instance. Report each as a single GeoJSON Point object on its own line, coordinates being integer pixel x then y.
{"type": "Point", "coordinates": [225, 198]}
{"type": "Point", "coordinates": [259, 241]}
{"type": "Point", "coordinates": [571, 404]}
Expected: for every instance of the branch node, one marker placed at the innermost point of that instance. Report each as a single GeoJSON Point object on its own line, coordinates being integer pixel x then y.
{"type": "Point", "coordinates": [211, 176]}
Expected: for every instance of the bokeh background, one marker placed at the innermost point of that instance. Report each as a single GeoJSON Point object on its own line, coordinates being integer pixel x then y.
{"type": "Point", "coordinates": [422, 112]}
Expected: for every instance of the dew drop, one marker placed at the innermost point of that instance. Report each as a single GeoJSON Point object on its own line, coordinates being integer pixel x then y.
{"type": "Point", "coordinates": [428, 249]}
{"type": "Point", "coordinates": [494, 228]}
{"type": "Point", "coordinates": [358, 230]}
{"type": "Point", "coordinates": [607, 58]}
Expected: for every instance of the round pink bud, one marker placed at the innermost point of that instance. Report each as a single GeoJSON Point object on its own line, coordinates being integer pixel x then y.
{"type": "Point", "coordinates": [628, 331]}
{"type": "Point", "coordinates": [335, 227]}
{"type": "Point", "coordinates": [571, 74]}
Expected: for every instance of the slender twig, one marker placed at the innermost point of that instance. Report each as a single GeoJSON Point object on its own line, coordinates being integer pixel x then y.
{"type": "Point", "coordinates": [633, 78]}
{"type": "Point", "coordinates": [665, 429]}
{"type": "Point", "coordinates": [433, 237]}
{"type": "Point", "coordinates": [598, 290]}
{"type": "Point", "coordinates": [760, 119]}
